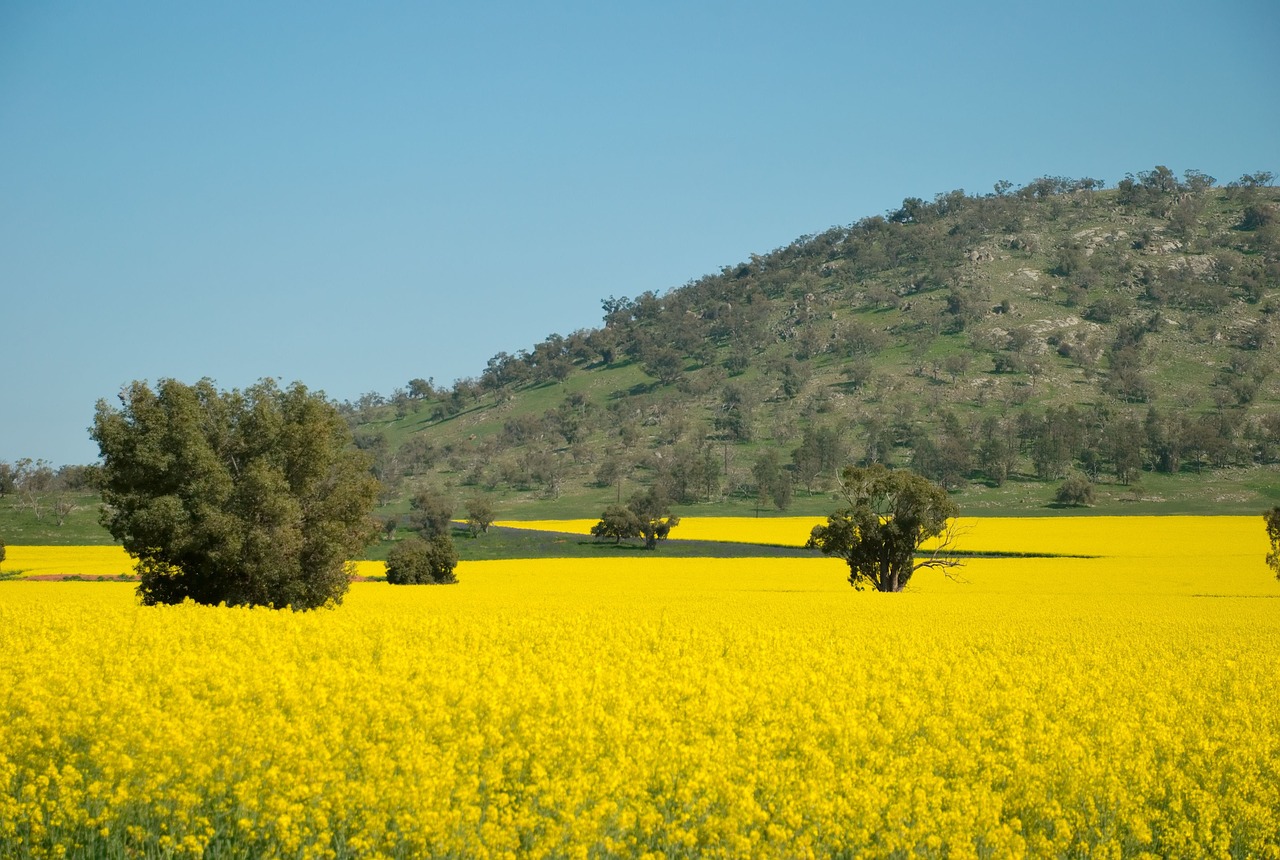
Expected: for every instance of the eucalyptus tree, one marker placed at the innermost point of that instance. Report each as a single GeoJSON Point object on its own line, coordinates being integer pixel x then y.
{"type": "Point", "coordinates": [889, 516]}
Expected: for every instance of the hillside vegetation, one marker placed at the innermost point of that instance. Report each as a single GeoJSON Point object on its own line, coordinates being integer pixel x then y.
{"type": "Point", "coordinates": [1031, 348]}
{"type": "Point", "coordinates": [1000, 344]}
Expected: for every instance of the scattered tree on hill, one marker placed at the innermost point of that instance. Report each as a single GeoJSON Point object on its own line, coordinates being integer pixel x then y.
{"type": "Point", "coordinates": [479, 516]}
{"type": "Point", "coordinates": [390, 523]}
{"type": "Point", "coordinates": [819, 453]}
{"type": "Point", "coordinates": [1271, 518]}
{"type": "Point", "coordinates": [773, 482]}
{"type": "Point", "coordinates": [415, 561]}
{"type": "Point", "coordinates": [244, 497]}
{"type": "Point", "coordinates": [430, 513]}
{"type": "Point", "coordinates": [889, 515]}
{"type": "Point", "coordinates": [664, 364]}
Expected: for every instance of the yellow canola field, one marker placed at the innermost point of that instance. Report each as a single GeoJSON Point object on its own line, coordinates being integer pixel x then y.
{"type": "Point", "coordinates": [1146, 537]}
{"type": "Point", "coordinates": [1110, 536]}
{"type": "Point", "coordinates": [728, 708]}
{"type": "Point", "coordinates": [64, 560]}
{"type": "Point", "coordinates": [776, 531]}
{"type": "Point", "coordinates": [28, 561]}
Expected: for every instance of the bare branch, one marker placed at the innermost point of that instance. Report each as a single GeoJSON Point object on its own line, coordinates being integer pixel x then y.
{"type": "Point", "coordinates": [942, 556]}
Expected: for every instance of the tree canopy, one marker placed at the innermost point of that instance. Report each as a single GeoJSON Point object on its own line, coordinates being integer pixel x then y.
{"type": "Point", "coordinates": [240, 497]}
{"type": "Point", "coordinates": [889, 515]}
{"type": "Point", "coordinates": [647, 514]}
{"type": "Point", "coordinates": [419, 561]}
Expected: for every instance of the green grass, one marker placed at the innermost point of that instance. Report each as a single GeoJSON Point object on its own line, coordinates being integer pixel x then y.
{"type": "Point", "coordinates": [19, 525]}
{"type": "Point", "coordinates": [1243, 491]}
{"type": "Point", "coordinates": [508, 543]}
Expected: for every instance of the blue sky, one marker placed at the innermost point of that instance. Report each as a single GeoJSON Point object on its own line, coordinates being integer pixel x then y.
{"type": "Point", "coordinates": [354, 195]}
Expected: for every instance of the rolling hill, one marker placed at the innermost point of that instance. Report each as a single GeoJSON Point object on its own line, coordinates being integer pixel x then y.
{"type": "Point", "coordinates": [999, 343]}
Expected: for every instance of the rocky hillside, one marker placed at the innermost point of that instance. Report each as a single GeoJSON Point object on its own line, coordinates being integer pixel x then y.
{"type": "Point", "coordinates": [1000, 343]}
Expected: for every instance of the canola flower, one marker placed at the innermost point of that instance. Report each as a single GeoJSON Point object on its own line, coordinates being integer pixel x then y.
{"type": "Point", "coordinates": [1123, 706]}
{"type": "Point", "coordinates": [67, 560]}
{"type": "Point", "coordinates": [98, 561]}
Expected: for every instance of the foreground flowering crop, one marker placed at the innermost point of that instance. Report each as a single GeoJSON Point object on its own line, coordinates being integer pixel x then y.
{"type": "Point", "coordinates": [101, 561]}
{"type": "Point", "coordinates": [67, 560]}
{"type": "Point", "coordinates": [1101, 707]}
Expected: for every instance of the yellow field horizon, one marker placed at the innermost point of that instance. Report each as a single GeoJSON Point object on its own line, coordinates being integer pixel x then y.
{"type": "Point", "coordinates": [1116, 706]}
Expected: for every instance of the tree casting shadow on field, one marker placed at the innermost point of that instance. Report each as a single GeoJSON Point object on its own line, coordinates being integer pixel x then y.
{"type": "Point", "coordinates": [889, 516]}
{"type": "Point", "coordinates": [647, 514]}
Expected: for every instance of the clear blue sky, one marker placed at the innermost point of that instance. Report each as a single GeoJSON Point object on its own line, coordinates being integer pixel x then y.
{"type": "Point", "coordinates": [357, 194]}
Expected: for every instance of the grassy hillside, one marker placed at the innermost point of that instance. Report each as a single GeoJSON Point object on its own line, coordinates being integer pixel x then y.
{"type": "Point", "coordinates": [1139, 323]}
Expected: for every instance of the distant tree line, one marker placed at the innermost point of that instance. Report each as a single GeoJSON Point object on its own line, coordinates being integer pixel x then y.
{"type": "Point", "coordinates": [36, 487]}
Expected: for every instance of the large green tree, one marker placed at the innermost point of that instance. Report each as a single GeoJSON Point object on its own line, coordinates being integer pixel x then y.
{"type": "Point", "coordinates": [653, 511]}
{"type": "Point", "coordinates": [889, 515]}
{"type": "Point", "coordinates": [245, 497]}
{"type": "Point", "coordinates": [617, 522]}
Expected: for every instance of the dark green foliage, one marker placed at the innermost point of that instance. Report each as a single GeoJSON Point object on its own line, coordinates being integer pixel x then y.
{"type": "Point", "coordinates": [1257, 215]}
{"type": "Point", "coordinates": [734, 417]}
{"type": "Point", "coordinates": [2, 550]}
{"type": "Point", "coordinates": [820, 453]}
{"type": "Point", "coordinates": [252, 497]}
{"type": "Point", "coordinates": [1076, 491]}
{"type": "Point", "coordinates": [415, 561]}
{"type": "Point", "coordinates": [653, 511]}
{"type": "Point", "coordinates": [690, 474]}
{"type": "Point", "coordinates": [617, 522]}
{"type": "Point", "coordinates": [1272, 520]}
{"type": "Point", "coordinates": [996, 450]}
{"type": "Point", "coordinates": [647, 515]}
{"type": "Point", "coordinates": [888, 516]}
{"type": "Point", "coordinates": [947, 458]}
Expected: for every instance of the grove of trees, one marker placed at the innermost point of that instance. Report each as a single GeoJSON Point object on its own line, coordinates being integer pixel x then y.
{"type": "Point", "coordinates": [646, 515]}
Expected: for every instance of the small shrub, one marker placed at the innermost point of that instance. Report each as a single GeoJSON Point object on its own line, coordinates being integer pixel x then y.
{"type": "Point", "coordinates": [1075, 491]}
{"type": "Point", "coordinates": [1, 550]}
{"type": "Point", "coordinates": [415, 561]}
